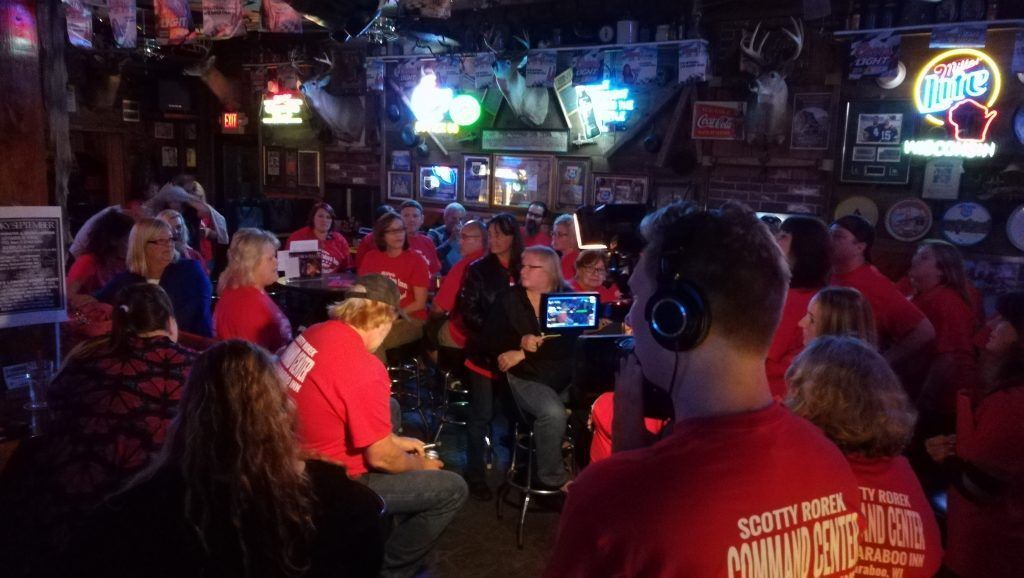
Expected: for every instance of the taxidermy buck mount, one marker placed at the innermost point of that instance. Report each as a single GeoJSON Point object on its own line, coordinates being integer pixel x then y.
{"type": "Point", "coordinates": [529, 104]}
{"type": "Point", "coordinates": [768, 107]}
{"type": "Point", "coordinates": [345, 115]}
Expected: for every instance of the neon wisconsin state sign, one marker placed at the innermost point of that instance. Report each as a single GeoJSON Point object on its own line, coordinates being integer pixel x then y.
{"type": "Point", "coordinates": [957, 90]}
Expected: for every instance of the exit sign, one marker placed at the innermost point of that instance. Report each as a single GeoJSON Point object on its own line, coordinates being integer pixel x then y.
{"type": "Point", "coordinates": [233, 122]}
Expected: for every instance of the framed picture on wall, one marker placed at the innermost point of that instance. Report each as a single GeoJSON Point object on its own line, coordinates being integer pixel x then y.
{"type": "Point", "coordinates": [571, 182]}
{"type": "Point", "coordinates": [519, 180]}
{"type": "Point", "coordinates": [273, 166]}
{"type": "Point", "coordinates": [309, 169]}
{"type": "Point", "coordinates": [399, 185]}
{"type": "Point", "coordinates": [168, 156]}
{"type": "Point", "coordinates": [476, 180]}
{"type": "Point", "coordinates": [438, 183]}
{"type": "Point", "coordinates": [620, 189]}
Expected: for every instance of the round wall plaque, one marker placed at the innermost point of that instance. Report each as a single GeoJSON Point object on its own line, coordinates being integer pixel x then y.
{"type": "Point", "coordinates": [966, 224]}
{"type": "Point", "coordinates": [908, 219]}
{"type": "Point", "coordinates": [858, 205]}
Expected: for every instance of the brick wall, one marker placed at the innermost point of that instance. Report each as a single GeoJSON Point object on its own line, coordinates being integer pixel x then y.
{"type": "Point", "coordinates": [770, 190]}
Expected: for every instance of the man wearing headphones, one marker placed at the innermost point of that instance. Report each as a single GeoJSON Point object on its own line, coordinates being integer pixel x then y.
{"type": "Point", "coordinates": [740, 484]}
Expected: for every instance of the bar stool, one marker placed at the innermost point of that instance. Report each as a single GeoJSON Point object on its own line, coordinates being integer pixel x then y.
{"type": "Point", "coordinates": [522, 466]}
{"type": "Point", "coordinates": [449, 365]}
{"type": "Point", "coordinates": [404, 368]}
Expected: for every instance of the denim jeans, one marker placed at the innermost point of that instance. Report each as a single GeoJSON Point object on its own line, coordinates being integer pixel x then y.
{"type": "Point", "coordinates": [423, 503]}
{"type": "Point", "coordinates": [481, 412]}
{"type": "Point", "coordinates": [548, 410]}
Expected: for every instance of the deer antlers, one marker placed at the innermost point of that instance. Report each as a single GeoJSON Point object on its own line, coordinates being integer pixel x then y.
{"type": "Point", "coordinates": [749, 40]}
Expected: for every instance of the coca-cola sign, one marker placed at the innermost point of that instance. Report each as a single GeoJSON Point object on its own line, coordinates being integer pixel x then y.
{"type": "Point", "coordinates": [719, 120]}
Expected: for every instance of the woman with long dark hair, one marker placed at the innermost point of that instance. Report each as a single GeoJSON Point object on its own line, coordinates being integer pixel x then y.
{"type": "Point", "coordinates": [230, 494]}
{"type": "Point", "coordinates": [485, 279]}
{"type": "Point", "coordinates": [986, 503]}
{"type": "Point", "coordinates": [942, 293]}
{"type": "Point", "coordinates": [102, 257]}
{"type": "Point", "coordinates": [111, 403]}
{"type": "Point", "coordinates": [805, 242]}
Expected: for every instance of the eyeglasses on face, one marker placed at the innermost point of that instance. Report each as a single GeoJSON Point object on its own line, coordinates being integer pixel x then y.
{"type": "Point", "coordinates": [394, 231]}
{"type": "Point", "coordinates": [559, 235]}
{"type": "Point", "coordinates": [595, 270]}
{"type": "Point", "coordinates": [532, 214]}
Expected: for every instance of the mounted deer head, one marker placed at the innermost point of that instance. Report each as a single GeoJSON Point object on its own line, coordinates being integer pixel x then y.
{"type": "Point", "coordinates": [769, 103]}
{"type": "Point", "coordinates": [529, 104]}
{"type": "Point", "coordinates": [345, 115]}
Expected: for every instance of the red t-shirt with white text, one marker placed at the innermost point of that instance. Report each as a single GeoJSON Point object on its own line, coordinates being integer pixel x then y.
{"type": "Point", "coordinates": [341, 392]}
{"type": "Point", "coordinates": [902, 537]}
{"type": "Point", "coordinates": [424, 246]}
{"type": "Point", "coordinates": [407, 270]}
{"type": "Point", "coordinates": [334, 251]}
{"type": "Point", "coordinates": [718, 498]}
{"type": "Point", "coordinates": [788, 340]}
{"type": "Point", "coordinates": [895, 315]}
{"type": "Point", "coordinates": [249, 313]}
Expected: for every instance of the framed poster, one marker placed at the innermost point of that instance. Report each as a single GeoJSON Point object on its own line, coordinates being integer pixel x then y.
{"type": "Point", "coordinates": [168, 156]}
{"type": "Point", "coordinates": [309, 168]}
{"type": "Point", "coordinates": [555, 141]}
{"type": "Point", "coordinates": [438, 183]}
{"type": "Point", "coordinates": [190, 157]}
{"type": "Point", "coordinates": [399, 185]}
{"type": "Point", "coordinates": [619, 189]}
{"type": "Point", "coordinates": [810, 126]}
{"type": "Point", "coordinates": [273, 166]}
{"type": "Point", "coordinates": [476, 180]}
{"type": "Point", "coordinates": [872, 142]}
{"type": "Point", "coordinates": [521, 180]}
{"type": "Point", "coordinates": [32, 266]}
{"type": "Point", "coordinates": [571, 182]}
{"type": "Point", "coordinates": [163, 130]}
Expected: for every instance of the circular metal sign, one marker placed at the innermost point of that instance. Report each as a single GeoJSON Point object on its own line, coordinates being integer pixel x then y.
{"type": "Point", "coordinates": [858, 205]}
{"type": "Point", "coordinates": [966, 224]}
{"type": "Point", "coordinates": [908, 219]}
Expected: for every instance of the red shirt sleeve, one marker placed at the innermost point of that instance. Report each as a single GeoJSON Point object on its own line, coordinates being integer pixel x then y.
{"type": "Point", "coordinates": [898, 313]}
{"type": "Point", "coordinates": [996, 442]}
{"type": "Point", "coordinates": [419, 275]}
{"type": "Point", "coordinates": [424, 246]}
{"type": "Point", "coordinates": [85, 271]}
{"type": "Point", "coordinates": [368, 410]}
{"type": "Point", "coordinates": [449, 291]}
{"type": "Point", "coordinates": [248, 313]}
{"type": "Point", "coordinates": [954, 324]}
{"type": "Point", "coordinates": [365, 246]}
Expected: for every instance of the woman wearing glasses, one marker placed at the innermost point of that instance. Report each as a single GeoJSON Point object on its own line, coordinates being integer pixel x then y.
{"type": "Point", "coordinates": [591, 273]}
{"type": "Point", "coordinates": [152, 258]}
{"type": "Point", "coordinates": [179, 230]}
{"type": "Point", "coordinates": [408, 269]}
{"type": "Point", "coordinates": [563, 240]}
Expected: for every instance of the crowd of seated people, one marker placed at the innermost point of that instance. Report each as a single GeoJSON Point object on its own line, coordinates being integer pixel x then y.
{"type": "Point", "coordinates": [750, 336]}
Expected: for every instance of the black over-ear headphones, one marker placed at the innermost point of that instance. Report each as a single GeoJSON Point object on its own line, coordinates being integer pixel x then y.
{"type": "Point", "coordinates": [677, 312]}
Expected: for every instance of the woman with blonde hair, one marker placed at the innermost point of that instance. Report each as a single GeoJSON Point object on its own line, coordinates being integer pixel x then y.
{"type": "Point", "coordinates": [179, 230]}
{"type": "Point", "coordinates": [230, 495]}
{"type": "Point", "coordinates": [244, 310]}
{"type": "Point", "coordinates": [846, 388]}
{"type": "Point", "coordinates": [538, 370]}
{"type": "Point", "coordinates": [942, 293]}
{"type": "Point", "coordinates": [152, 258]}
{"type": "Point", "coordinates": [839, 311]}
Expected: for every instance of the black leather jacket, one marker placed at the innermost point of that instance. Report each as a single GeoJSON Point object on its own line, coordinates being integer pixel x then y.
{"type": "Point", "coordinates": [485, 279]}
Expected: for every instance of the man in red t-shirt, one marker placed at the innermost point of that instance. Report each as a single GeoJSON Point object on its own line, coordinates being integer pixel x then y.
{"type": "Point", "coordinates": [903, 330]}
{"type": "Point", "coordinates": [533, 225]}
{"type": "Point", "coordinates": [740, 483]}
{"type": "Point", "coordinates": [342, 395]}
{"type": "Point", "coordinates": [472, 244]}
{"type": "Point", "coordinates": [412, 215]}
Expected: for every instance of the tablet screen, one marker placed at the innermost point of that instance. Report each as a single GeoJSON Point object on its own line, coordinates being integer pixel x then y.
{"type": "Point", "coordinates": [569, 311]}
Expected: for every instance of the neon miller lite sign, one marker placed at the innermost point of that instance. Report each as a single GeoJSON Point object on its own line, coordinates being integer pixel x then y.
{"type": "Point", "coordinates": [957, 89]}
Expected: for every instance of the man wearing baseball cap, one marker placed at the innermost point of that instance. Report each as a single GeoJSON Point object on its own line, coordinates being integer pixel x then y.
{"type": "Point", "coordinates": [342, 394]}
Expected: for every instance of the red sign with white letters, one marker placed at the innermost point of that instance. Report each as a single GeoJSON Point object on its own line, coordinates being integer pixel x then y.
{"type": "Point", "coordinates": [719, 120]}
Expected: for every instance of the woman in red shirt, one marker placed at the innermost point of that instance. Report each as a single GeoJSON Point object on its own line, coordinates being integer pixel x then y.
{"type": "Point", "coordinates": [846, 388]}
{"type": "Point", "coordinates": [804, 241]}
{"type": "Point", "coordinates": [101, 259]}
{"type": "Point", "coordinates": [334, 251]}
{"type": "Point", "coordinates": [563, 240]}
{"type": "Point", "coordinates": [986, 503]}
{"type": "Point", "coordinates": [839, 311]}
{"type": "Point", "coordinates": [941, 293]}
{"type": "Point", "coordinates": [408, 269]}
{"type": "Point", "coordinates": [244, 310]}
